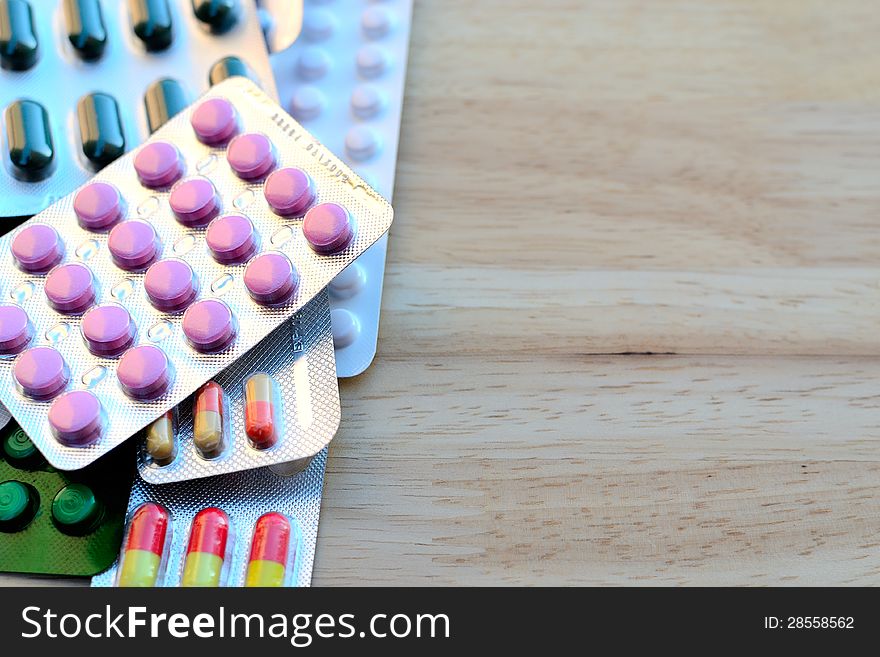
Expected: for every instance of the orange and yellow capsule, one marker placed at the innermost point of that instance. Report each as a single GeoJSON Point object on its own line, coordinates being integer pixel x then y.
{"type": "Point", "coordinates": [273, 550]}
{"type": "Point", "coordinates": [142, 561]}
{"type": "Point", "coordinates": [206, 551]}
{"type": "Point", "coordinates": [161, 442]}
{"type": "Point", "coordinates": [208, 425]}
{"type": "Point", "coordinates": [260, 424]}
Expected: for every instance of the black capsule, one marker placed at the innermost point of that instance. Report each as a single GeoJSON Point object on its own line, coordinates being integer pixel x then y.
{"type": "Point", "coordinates": [29, 138]}
{"type": "Point", "coordinates": [85, 28]}
{"type": "Point", "coordinates": [100, 129]}
{"type": "Point", "coordinates": [151, 21]}
{"type": "Point", "coordinates": [218, 15]}
{"type": "Point", "coordinates": [163, 99]}
{"type": "Point", "coordinates": [227, 68]}
{"type": "Point", "coordinates": [18, 38]}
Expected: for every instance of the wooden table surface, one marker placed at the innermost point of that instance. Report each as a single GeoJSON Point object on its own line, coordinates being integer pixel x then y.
{"type": "Point", "coordinates": [631, 325]}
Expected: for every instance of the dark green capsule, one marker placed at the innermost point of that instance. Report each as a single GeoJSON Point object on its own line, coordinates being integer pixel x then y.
{"type": "Point", "coordinates": [29, 139]}
{"type": "Point", "coordinates": [151, 21]}
{"type": "Point", "coordinates": [100, 129]}
{"type": "Point", "coordinates": [19, 47]}
{"type": "Point", "coordinates": [85, 28]}
{"type": "Point", "coordinates": [163, 99]}
{"type": "Point", "coordinates": [218, 15]}
{"type": "Point", "coordinates": [227, 68]}
{"type": "Point", "coordinates": [19, 503]}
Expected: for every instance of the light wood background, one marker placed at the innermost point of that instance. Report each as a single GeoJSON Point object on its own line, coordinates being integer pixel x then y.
{"type": "Point", "coordinates": [582, 183]}
{"type": "Point", "coordinates": [631, 326]}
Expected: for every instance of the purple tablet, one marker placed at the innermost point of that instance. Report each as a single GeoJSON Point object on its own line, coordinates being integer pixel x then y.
{"type": "Point", "coordinates": [194, 201]}
{"type": "Point", "coordinates": [37, 248]}
{"type": "Point", "coordinates": [214, 121]}
{"type": "Point", "coordinates": [328, 228]}
{"type": "Point", "coordinates": [171, 285]}
{"type": "Point", "coordinates": [251, 156]}
{"type": "Point", "coordinates": [133, 244]}
{"type": "Point", "coordinates": [98, 206]}
{"type": "Point", "coordinates": [41, 373]}
{"type": "Point", "coordinates": [143, 372]}
{"type": "Point", "coordinates": [75, 418]}
{"type": "Point", "coordinates": [209, 325]}
{"type": "Point", "coordinates": [16, 329]}
{"type": "Point", "coordinates": [108, 330]}
{"type": "Point", "coordinates": [271, 279]}
{"type": "Point", "coordinates": [231, 238]}
{"type": "Point", "coordinates": [289, 192]}
{"type": "Point", "coordinates": [158, 164]}
{"type": "Point", "coordinates": [70, 288]}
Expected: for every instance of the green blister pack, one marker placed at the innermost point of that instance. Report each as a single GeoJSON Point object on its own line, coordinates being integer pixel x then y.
{"type": "Point", "coordinates": [60, 523]}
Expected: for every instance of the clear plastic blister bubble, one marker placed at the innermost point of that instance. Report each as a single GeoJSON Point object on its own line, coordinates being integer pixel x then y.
{"type": "Point", "coordinates": [194, 315]}
{"type": "Point", "coordinates": [259, 510]}
{"type": "Point", "coordinates": [92, 78]}
{"type": "Point", "coordinates": [280, 403]}
{"type": "Point", "coordinates": [343, 79]}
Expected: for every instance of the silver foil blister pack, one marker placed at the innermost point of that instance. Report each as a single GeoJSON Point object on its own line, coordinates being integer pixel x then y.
{"type": "Point", "coordinates": [343, 79]}
{"type": "Point", "coordinates": [119, 79]}
{"type": "Point", "coordinates": [298, 355]}
{"type": "Point", "coordinates": [221, 287]}
{"type": "Point", "coordinates": [244, 497]}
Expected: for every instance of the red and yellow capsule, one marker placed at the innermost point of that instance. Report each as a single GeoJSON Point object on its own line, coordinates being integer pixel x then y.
{"type": "Point", "coordinates": [206, 551]}
{"type": "Point", "coordinates": [161, 441]}
{"type": "Point", "coordinates": [208, 429]}
{"type": "Point", "coordinates": [259, 411]}
{"type": "Point", "coordinates": [146, 541]}
{"type": "Point", "coordinates": [272, 550]}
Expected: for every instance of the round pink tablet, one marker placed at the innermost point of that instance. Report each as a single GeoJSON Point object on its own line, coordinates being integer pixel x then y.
{"type": "Point", "coordinates": [41, 372]}
{"type": "Point", "coordinates": [214, 121]}
{"type": "Point", "coordinates": [133, 244]}
{"type": "Point", "coordinates": [194, 201]}
{"type": "Point", "coordinates": [328, 228]}
{"type": "Point", "coordinates": [231, 238]}
{"type": "Point", "coordinates": [209, 325]}
{"type": "Point", "coordinates": [98, 205]}
{"type": "Point", "coordinates": [143, 372]}
{"type": "Point", "coordinates": [75, 418]}
{"type": "Point", "coordinates": [37, 248]}
{"type": "Point", "coordinates": [271, 279]}
{"type": "Point", "coordinates": [108, 330]}
{"type": "Point", "coordinates": [158, 164]}
{"type": "Point", "coordinates": [16, 329]}
{"type": "Point", "coordinates": [251, 156]}
{"type": "Point", "coordinates": [70, 288]}
{"type": "Point", "coordinates": [171, 285]}
{"type": "Point", "coordinates": [289, 192]}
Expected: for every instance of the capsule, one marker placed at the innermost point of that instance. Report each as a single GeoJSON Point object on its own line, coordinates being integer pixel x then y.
{"type": "Point", "coordinates": [29, 139]}
{"type": "Point", "coordinates": [151, 22]}
{"type": "Point", "coordinates": [100, 129]}
{"type": "Point", "coordinates": [161, 440]}
{"type": "Point", "coordinates": [19, 47]}
{"type": "Point", "coordinates": [162, 100]}
{"type": "Point", "coordinates": [206, 551]}
{"type": "Point", "coordinates": [85, 28]}
{"type": "Point", "coordinates": [229, 67]}
{"type": "Point", "coordinates": [271, 552]}
{"type": "Point", "coordinates": [218, 15]}
{"type": "Point", "coordinates": [146, 545]}
{"type": "Point", "coordinates": [208, 427]}
{"type": "Point", "coordinates": [260, 424]}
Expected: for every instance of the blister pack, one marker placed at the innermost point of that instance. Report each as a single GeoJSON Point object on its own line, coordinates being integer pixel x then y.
{"type": "Point", "coordinates": [278, 403]}
{"type": "Point", "coordinates": [344, 80]}
{"type": "Point", "coordinates": [251, 528]}
{"type": "Point", "coordinates": [83, 81]}
{"type": "Point", "coordinates": [60, 523]}
{"type": "Point", "coordinates": [168, 266]}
